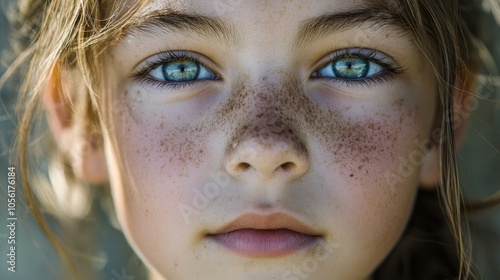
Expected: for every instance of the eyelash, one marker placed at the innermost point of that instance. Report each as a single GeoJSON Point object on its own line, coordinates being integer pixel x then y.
{"type": "Point", "coordinates": [389, 70]}
{"type": "Point", "coordinates": [143, 77]}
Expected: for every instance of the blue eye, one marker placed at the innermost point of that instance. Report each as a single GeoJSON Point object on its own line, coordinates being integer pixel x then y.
{"type": "Point", "coordinates": [174, 70]}
{"type": "Point", "coordinates": [181, 70]}
{"type": "Point", "coordinates": [350, 68]}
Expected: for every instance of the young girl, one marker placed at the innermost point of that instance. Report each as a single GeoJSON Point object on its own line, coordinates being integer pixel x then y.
{"type": "Point", "coordinates": [259, 139]}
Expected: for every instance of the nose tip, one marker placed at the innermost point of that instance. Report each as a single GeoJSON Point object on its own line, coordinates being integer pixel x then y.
{"type": "Point", "coordinates": [268, 159]}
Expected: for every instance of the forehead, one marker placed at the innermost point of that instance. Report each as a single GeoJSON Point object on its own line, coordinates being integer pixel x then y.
{"type": "Point", "coordinates": [232, 19]}
{"type": "Point", "coordinates": [223, 6]}
{"type": "Point", "coordinates": [260, 11]}
{"type": "Point", "coordinates": [277, 8]}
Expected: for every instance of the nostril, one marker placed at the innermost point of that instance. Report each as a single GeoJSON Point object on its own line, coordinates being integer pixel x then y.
{"type": "Point", "coordinates": [243, 166]}
{"type": "Point", "coordinates": [288, 166]}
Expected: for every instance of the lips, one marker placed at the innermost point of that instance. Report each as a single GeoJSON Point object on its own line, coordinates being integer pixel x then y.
{"type": "Point", "coordinates": [272, 235]}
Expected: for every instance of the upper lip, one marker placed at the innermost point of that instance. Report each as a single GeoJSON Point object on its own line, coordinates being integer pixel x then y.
{"type": "Point", "coordinates": [268, 222]}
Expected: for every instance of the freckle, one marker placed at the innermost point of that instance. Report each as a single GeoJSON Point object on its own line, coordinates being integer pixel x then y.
{"type": "Point", "coordinates": [278, 111]}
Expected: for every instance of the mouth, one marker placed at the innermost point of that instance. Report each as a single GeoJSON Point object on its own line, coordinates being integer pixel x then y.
{"type": "Point", "coordinates": [261, 236]}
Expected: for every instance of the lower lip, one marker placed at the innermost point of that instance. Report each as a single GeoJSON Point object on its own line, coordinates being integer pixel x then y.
{"type": "Point", "coordinates": [264, 243]}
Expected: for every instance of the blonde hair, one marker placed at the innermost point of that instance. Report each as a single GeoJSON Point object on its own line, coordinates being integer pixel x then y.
{"type": "Point", "coordinates": [56, 35]}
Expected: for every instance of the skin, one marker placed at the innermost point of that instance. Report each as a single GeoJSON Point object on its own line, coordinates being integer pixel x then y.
{"type": "Point", "coordinates": [163, 146]}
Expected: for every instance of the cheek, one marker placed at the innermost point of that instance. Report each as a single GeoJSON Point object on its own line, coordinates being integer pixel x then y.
{"type": "Point", "coordinates": [162, 142]}
{"type": "Point", "coordinates": [159, 164]}
{"type": "Point", "coordinates": [369, 158]}
{"type": "Point", "coordinates": [369, 143]}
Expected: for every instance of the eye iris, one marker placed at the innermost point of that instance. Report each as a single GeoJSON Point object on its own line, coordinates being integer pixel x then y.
{"type": "Point", "coordinates": [182, 70]}
{"type": "Point", "coordinates": [351, 68]}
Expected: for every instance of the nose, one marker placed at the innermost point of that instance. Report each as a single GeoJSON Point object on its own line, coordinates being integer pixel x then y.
{"type": "Point", "coordinates": [267, 151]}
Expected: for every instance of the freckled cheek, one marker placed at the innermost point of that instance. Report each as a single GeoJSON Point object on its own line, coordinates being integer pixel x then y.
{"type": "Point", "coordinates": [370, 146]}
{"type": "Point", "coordinates": [156, 180]}
{"type": "Point", "coordinates": [372, 205]}
{"type": "Point", "coordinates": [157, 146]}
{"type": "Point", "coordinates": [164, 161]}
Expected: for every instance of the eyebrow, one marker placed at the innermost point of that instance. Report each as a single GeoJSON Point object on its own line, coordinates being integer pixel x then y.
{"type": "Point", "coordinates": [187, 24]}
{"type": "Point", "coordinates": [214, 28]}
{"type": "Point", "coordinates": [327, 24]}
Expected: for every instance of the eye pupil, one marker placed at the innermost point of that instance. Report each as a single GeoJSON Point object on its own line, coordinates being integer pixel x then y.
{"type": "Point", "coordinates": [351, 68]}
{"type": "Point", "coordinates": [180, 70]}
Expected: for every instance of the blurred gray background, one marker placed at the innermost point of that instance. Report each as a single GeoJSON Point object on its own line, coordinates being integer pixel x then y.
{"type": "Point", "coordinates": [479, 164]}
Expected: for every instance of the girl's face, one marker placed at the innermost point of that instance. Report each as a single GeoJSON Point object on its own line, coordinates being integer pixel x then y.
{"type": "Point", "coordinates": [266, 139]}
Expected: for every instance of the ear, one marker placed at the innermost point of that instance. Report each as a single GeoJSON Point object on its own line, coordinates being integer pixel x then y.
{"type": "Point", "coordinates": [85, 154]}
{"type": "Point", "coordinates": [463, 103]}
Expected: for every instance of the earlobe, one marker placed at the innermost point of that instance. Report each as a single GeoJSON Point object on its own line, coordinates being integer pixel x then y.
{"type": "Point", "coordinates": [82, 149]}
{"type": "Point", "coordinates": [463, 104]}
